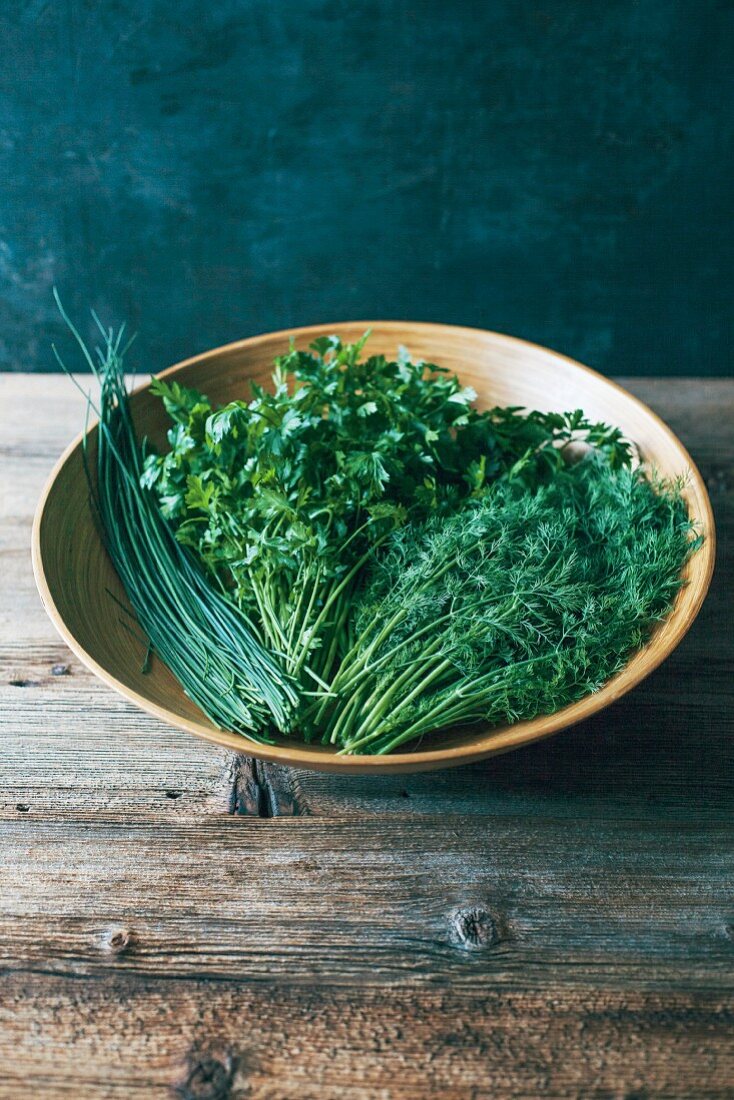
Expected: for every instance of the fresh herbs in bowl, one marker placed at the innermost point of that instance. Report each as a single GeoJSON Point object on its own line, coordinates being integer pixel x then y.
{"type": "Point", "coordinates": [360, 557]}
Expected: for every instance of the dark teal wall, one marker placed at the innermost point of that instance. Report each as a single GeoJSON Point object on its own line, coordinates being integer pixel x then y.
{"type": "Point", "coordinates": [558, 169]}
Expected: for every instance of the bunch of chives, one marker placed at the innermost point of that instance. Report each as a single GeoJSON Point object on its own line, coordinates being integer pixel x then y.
{"type": "Point", "coordinates": [211, 648]}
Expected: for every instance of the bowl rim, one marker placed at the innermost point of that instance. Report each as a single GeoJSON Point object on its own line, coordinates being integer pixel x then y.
{"type": "Point", "coordinates": [494, 742]}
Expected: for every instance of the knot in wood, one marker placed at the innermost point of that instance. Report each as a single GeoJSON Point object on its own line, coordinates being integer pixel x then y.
{"type": "Point", "coordinates": [118, 940]}
{"type": "Point", "coordinates": [474, 928]}
{"type": "Point", "coordinates": [208, 1079]}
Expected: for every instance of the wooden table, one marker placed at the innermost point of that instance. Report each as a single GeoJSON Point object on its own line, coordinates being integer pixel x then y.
{"type": "Point", "coordinates": [176, 920]}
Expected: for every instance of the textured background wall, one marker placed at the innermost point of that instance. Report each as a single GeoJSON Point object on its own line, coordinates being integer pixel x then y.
{"type": "Point", "coordinates": [550, 168]}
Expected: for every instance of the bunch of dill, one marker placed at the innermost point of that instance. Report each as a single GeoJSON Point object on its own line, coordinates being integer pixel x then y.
{"type": "Point", "coordinates": [520, 603]}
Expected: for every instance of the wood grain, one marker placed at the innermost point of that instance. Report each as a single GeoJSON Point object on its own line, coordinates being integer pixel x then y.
{"type": "Point", "coordinates": [121, 1037]}
{"type": "Point", "coordinates": [180, 921]}
{"type": "Point", "coordinates": [203, 1041]}
{"type": "Point", "coordinates": [451, 901]}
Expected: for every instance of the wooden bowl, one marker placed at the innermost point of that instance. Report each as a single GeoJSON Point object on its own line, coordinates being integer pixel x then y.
{"type": "Point", "coordinates": [73, 572]}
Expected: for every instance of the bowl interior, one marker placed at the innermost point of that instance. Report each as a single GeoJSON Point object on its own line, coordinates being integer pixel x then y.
{"type": "Point", "coordinates": [77, 581]}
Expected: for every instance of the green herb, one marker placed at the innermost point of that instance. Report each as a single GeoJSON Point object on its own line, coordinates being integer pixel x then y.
{"type": "Point", "coordinates": [516, 606]}
{"type": "Point", "coordinates": [360, 557]}
{"type": "Point", "coordinates": [287, 497]}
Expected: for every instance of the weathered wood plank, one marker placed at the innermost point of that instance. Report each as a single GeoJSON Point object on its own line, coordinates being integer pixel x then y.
{"type": "Point", "coordinates": [69, 743]}
{"type": "Point", "coordinates": [474, 902]}
{"type": "Point", "coordinates": [699, 410]}
{"type": "Point", "coordinates": [120, 1038]}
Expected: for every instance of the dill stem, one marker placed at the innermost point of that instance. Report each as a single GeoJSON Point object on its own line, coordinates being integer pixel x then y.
{"type": "Point", "coordinates": [339, 720]}
{"type": "Point", "coordinates": [372, 734]}
{"type": "Point", "coordinates": [389, 626]}
{"type": "Point", "coordinates": [410, 674]}
{"type": "Point", "coordinates": [443, 714]}
{"type": "Point", "coordinates": [371, 647]}
{"type": "Point", "coordinates": [370, 670]}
